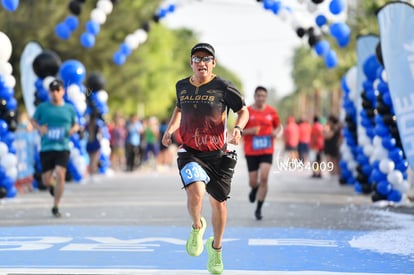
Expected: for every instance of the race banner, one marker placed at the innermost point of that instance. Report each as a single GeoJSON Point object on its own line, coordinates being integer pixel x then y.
{"type": "Point", "coordinates": [396, 21]}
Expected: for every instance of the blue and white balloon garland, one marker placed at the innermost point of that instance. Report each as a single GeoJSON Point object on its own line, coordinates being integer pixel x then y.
{"type": "Point", "coordinates": [64, 29]}
{"type": "Point", "coordinates": [8, 123]}
{"type": "Point", "coordinates": [332, 23]}
{"type": "Point", "coordinates": [93, 25]}
{"type": "Point", "coordinates": [133, 40]}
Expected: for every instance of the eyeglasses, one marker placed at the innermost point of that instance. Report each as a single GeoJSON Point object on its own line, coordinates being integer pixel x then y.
{"type": "Point", "coordinates": [205, 59]}
{"type": "Point", "coordinates": [55, 90]}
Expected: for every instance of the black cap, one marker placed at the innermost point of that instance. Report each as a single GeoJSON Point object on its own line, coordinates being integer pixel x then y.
{"type": "Point", "coordinates": [55, 85]}
{"type": "Point", "coordinates": [203, 47]}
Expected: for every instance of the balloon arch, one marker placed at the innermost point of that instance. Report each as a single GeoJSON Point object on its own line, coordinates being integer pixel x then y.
{"type": "Point", "coordinates": [373, 157]}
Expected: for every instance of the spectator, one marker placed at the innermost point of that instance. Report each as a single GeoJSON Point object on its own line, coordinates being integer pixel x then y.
{"type": "Point", "coordinates": [317, 145]}
{"type": "Point", "coordinates": [291, 138]}
{"type": "Point", "coordinates": [133, 143]}
{"type": "Point", "coordinates": [304, 139]}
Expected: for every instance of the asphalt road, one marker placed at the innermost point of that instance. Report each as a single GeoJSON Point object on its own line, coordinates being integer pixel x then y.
{"type": "Point", "coordinates": [309, 227]}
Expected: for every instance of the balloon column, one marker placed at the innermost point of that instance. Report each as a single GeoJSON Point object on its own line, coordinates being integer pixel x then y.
{"type": "Point", "coordinates": [73, 73]}
{"type": "Point", "coordinates": [10, 5]}
{"type": "Point", "coordinates": [348, 150]}
{"type": "Point", "coordinates": [391, 165]}
{"type": "Point", "coordinates": [8, 123]}
{"type": "Point", "coordinates": [333, 21]}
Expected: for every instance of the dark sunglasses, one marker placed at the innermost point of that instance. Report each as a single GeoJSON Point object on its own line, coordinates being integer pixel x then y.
{"type": "Point", "coordinates": [205, 59]}
{"type": "Point", "coordinates": [55, 90]}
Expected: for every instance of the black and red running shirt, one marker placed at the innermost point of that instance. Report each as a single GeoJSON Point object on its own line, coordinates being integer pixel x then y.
{"type": "Point", "coordinates": [204, 112]}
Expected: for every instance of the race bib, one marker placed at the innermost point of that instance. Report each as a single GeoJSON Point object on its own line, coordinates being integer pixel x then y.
{"type": "Point", "coordinates": [193, 172]}
{"type": "Point", "coordinates": [57, 133]}
{"type": "Point", "coordinates": [263, 142]}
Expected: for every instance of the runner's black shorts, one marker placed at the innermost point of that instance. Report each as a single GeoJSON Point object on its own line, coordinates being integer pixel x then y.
{"type": "Point", "coordinates": [253, 162]}
{"type": "Point", "coordinates": [214, 164]}
{"type": "Point", "coordinates": [51, 159]}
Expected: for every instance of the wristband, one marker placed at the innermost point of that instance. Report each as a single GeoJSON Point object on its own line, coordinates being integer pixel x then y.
{"type": "Point", "coordinates": [240, 129]}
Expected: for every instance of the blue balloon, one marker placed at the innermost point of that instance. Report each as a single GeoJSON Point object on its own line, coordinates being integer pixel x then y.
{"type": "Point", "coordinates": [267, 4]}
{"type": "Point", "coordinates": [389, 143]}
{"type": "Point", "coordinates": [322, 48]}
{"type": "Point", "coordinates": [125, 49]}
{"type": "Point", "coordinates": [337, 6]}
{"type": "Point", "coordinates": [72, 22]}
{"type": "Point", "coordinates": [331, 59]}
{"type": "Point", "coordinates": [6, 93]}
{"type": "Point", "coordinates": [321, 20]}
{"type": "Point", "coordinates": [7, 182]}
{"type": "Point", "coordinates": [386, 98]}
{"type": "Point", "coordinates": [11, 192]}
{"type": "Point", "coordinates": [171, 8]}
{"type": "Point", "coordinates": [4, 128]}
{"type": "Point", "coordinates": [396, 155]}
{"type": "Point", "coordinates": [10, 5]}
{"type": "Point", "coordinates": [119, 58]}
{"type": "Point", "coordinates": [394, 196]}
{"type": "Point", "coordinates": [276, 6]}
{"type": "Point", "coordinates": [87, 40]}
{"type": "Point", "coordinates": [62, 31]}
{"type": "Point", "coordinates": [11, 104]}
{"type": "Point", "coordinates": [384, 187]}
{"type": "Point", "coordinates": [339, 30]}
{"type": "Point", "coordinates": [92, 27]}
{"type": "Point", "coordinates": [162, 13]}
{"type": "Point", "coordinates": [370, 67]}
{"type": "Point", "coordinates": [72, 72]}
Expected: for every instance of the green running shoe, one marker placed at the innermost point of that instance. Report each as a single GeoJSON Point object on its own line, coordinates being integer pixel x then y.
{"type": "Point", "coordinates": [215, 261]}
{"type": "Point", "coordinates": [194, 244]}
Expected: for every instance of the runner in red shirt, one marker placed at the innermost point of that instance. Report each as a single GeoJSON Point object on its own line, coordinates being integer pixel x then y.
{"type": "Point", "coordinates": [258, 137]}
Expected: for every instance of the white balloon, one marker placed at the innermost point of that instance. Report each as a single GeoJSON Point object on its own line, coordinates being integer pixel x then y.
{"type": "Point", "coordinates": [395, 177]}
{"type": "Point", "coordinates": [377, 141]}
{"type": "Point", "coordinates": [105, 143]}
{"type": "Point", "coordinates": [403, 186]}
{"type": "Point", "coordinates": [141, 35]}
{"type": "Point", "coordinates": [384, 76]}
{"type": "Point", "coordinates": [132, 41]}
{"type": "Point", "coordinates": [5, 68]}
{"type": "Point", "coordinates": [9, 81]}
{"type": "Point", "coordinates": [5, 47]}
{"type": "Point", "coordinates": [105, 5]}
{"type": "Point", "coordinates": [98, 16]}
{"type": "Point", "coordinates": [102, 95]}
{"type": "Point", "coordinates": [3, 149]}
{"type": "Point", "coordinates": [9, 160]}
{"type": "Point", "coordinates": [46, 82]}
{"type": "Point", "coordinates": [12, 172]}
{"type": "Point", "coordinates": [73, 91]}
{"type": "Point", "coordinates": [386, 165]}
{"type": "Point", "coordinates": [351, 78]}
{"type": "Point", "coordinates": [368, 149]}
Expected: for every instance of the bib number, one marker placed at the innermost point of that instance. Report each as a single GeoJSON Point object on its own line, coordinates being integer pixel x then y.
{"type": "Point", "coordinates": [193, 172]}
{"type": "Point", "coordinates": [263, 142]}
{"type": "Point", "coordinates": [56, 133]}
